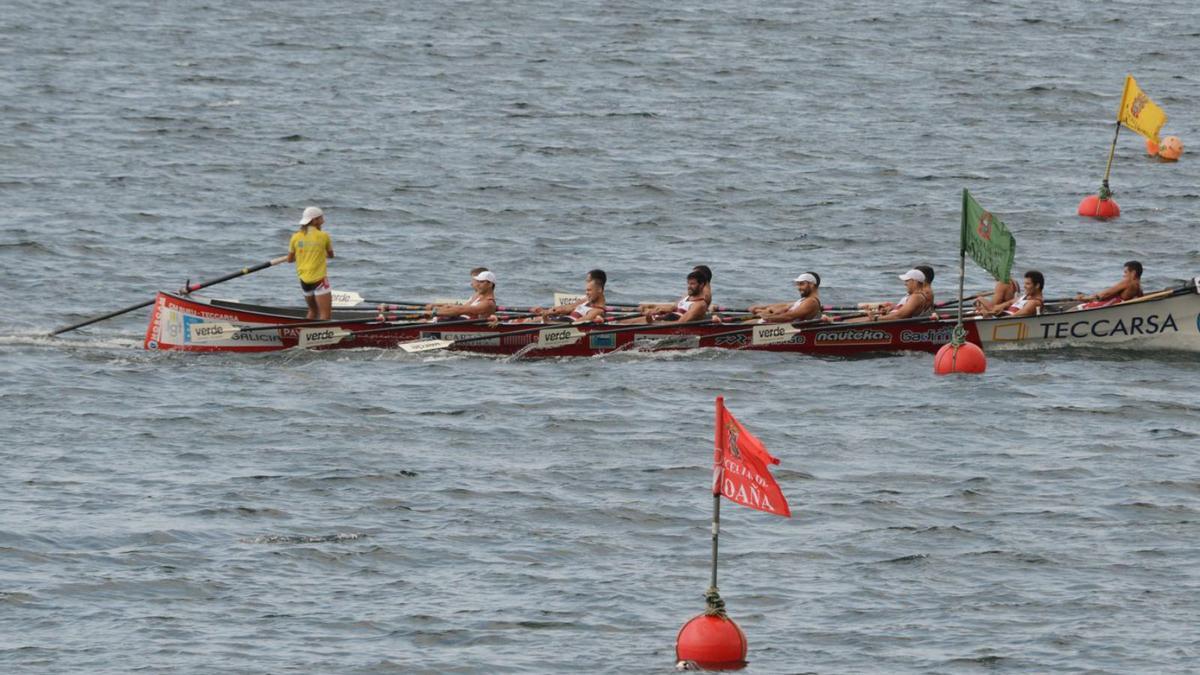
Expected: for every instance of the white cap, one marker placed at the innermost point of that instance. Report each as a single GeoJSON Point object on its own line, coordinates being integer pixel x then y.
{"type": "Point", "coordinates": [916, 275]}
{"type": "Point", "coordinates": [310, 214]}
{"type": "Point", "coordinates": [485, 276]}
{"type": "Point", "coordinates": [806, 277]}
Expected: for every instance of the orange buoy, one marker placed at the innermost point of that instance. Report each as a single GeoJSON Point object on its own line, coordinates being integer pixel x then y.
{"type": "Point", "coordinates": [712, 643]}
{"type": "Point", "coordinates": [964, 358]}
{"type": "Point", "coordinates": [1151, 147]}
{"type": "Point", "coordinates": [1094, 207]}
{"type": "Point", "coordinates": [1171, 148]}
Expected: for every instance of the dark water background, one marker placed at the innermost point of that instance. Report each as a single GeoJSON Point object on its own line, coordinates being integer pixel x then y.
{"type": "Point", "coordinates": [379, 512]}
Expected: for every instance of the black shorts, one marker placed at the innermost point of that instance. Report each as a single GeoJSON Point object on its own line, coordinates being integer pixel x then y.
{"type": "Point", "coordinates": [316, 288]}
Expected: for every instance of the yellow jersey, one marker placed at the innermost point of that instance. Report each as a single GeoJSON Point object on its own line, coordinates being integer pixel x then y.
{"type": "Point", "coordinates": [310, 248]}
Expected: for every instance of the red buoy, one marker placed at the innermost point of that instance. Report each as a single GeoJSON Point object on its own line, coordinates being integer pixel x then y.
{"type": "Point", "coordinates": [711, 643]}
{"type": "Point", "coordinates": [964, 358]}
{"type": "Point", "coordinates": [1171, 149]}
{"type": "Point", "coordinates": [1151, 147]}
{"type": "Point", "coordinates": [1094, 207]}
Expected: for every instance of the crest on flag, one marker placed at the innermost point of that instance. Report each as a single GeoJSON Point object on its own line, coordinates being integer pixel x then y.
{"type": "Point", "coordinates": [985, 226]}
{"type": "Point", "coordinates": [740, 464]}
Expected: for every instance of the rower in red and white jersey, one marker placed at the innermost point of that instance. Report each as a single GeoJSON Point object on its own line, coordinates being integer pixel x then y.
{"type": "Point", "coordinates": [807, 307]}
{"type": "Point", "coordinates": [1128, 288]}
{"type": "Point", "coordinates": [918, 301]}
{"type": "Point", "coordinates": [1003, 291]}
{"type": "Point", "coordinates": [1028, 304]}
{"type": "Point", "coordinates": [481, 305]}
{"type": "Point", "coordinates": [691, 307]}
{"type": "Point", "coordinates": [590, 309]}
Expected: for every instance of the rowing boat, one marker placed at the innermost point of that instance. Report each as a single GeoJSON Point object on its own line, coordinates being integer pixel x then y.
{"type": "Point", "coordinates": [1168, 319]}
{"type": "Point", "coordinates": [177, 320]}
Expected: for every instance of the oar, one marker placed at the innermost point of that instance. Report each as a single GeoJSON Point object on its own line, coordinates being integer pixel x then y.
{"type": "Point", "coordinates": [212, 331]}
{"type": "Point", "coordinates": [562, 338]}
{"type": "Point", "coordinates": [186, 289]}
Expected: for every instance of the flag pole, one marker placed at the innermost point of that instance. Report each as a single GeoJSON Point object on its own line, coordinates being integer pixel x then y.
{"type": "Point", "coordinates": [715, 605]}
{"type": "Point", "coordinates": [1105, 193]}
{"type": "Point", "coordinates": [959, 331]}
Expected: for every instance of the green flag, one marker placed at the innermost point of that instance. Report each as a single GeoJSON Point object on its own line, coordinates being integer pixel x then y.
{"type": "Point", "coordinates": [986, 239]}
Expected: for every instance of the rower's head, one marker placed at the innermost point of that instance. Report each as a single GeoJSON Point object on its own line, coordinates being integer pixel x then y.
{"type": "Point", "coordinates": [594, 286]}
{"type": "Point", "coordinates": [313, 215]}
{"type": "Point", "coordinates": [696, 281]}
{"type": "Point", "coordinates": [1133, 269]}
{"type": "Point", "coordinates": [705, 272]}
{"type": "Point", "coordinates": [927, 270]}
{"type": "Point", "coordinates": [1034, 282]}
{"type": "Point", "coordinates": [808, 283]}
{"type": "Point", "coordinates": [913, 279]}
{"type": "Point", "coordinates": [483, 281]}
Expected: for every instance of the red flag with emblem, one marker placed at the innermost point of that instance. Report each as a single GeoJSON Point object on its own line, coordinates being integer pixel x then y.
{"type": "Point", "coordinates": [740, 470]}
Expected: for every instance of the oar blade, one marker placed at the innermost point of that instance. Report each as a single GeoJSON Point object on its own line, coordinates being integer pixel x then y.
{"type": "Point", "coordinates": [320, 337]}
{"type": "Point", "coordinates": [211, 331]}
{"type": "Point", "coordinates": [772, 333]}
{"type": "Point", "coordinates": [425, 345]}
{"type": "Point", "coordinates": [568, 298]}
{"type": "Point", "coordinates": [346, 299]}
{"type": "Point", "coordinates": [549, 338]}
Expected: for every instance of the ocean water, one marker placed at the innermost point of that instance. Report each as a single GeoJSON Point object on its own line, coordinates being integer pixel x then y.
{"type": "Point", "coordinates": [375, 512]}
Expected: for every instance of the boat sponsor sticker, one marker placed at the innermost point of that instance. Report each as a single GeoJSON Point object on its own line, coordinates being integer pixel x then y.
{"type": "Point", "coordinates": [608, 341]}
{"type": "Point", "coordinates": [549, 338]}
{"type": "Point", "coordinates": [214, 334]}
{"type": "Point", "coordinates": [853, 336]}
{"type": "Point", "coordinates": [1151, 324]}
{"type": "Point", "coordinates": [938, 336]}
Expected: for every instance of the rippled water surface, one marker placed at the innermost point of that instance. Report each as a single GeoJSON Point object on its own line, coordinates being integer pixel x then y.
{"type": "Point", "coordinates": [368, 511]}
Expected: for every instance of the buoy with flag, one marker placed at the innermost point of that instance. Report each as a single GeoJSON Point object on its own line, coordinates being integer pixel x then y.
{"type": "Point", "coordinates": [712, 640]}
{"type": "Point", "coordinates": [1140, 114]}
{"type": "Point", "coordinates": [987, 239]}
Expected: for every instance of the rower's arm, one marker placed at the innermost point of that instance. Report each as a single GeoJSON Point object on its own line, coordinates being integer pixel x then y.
{"type": "Point", "coordinates": [592, 314]}
{"type": "Point", "coordinates": [1030, 309]}
{"type": "Point", "coordinates": [808, 309]}
{"type": "Point", "coordinates": [1105, 294]}
{"type": "Point", "coordinates": [908, 309]}
{"type": "Point", "coordinates": [695, 312]}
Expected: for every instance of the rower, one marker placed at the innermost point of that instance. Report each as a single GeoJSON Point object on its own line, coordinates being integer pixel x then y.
{"type": "Point", "coordinates": [1003, 291]}
{"type": "Point", "coordinates": [588, 310]}
{"type": "Point", "coordinates": [1128, 288]}
{"type": "Point", "coordinates": [807, 307]}
{"type": "Point", "coordinates": [918, 301]}
{"type": "Point", "coordinates": [481, 305]}
{"type": "Point", "coordinates": [1029, 304]}
{"type": "Point", "coordinates": [707, 273]}
{"type": "Point", "coordinates": [310, 248]}
{"type": "Point", "coordinates": [691, 307]}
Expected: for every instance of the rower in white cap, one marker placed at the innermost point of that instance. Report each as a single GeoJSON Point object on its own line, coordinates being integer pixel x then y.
{"type": "Point", "coordinates": [309, 248]}
{"type": "Point", "coordinates": [481, 305]}
{"type": "Point", "coordinates": [918, 301]}
{"type": "Point", "coordinates": [807, 307]}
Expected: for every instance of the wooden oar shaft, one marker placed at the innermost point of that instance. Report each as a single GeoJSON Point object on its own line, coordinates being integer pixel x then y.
{"type": "Point", "coordinates": [187, 289]}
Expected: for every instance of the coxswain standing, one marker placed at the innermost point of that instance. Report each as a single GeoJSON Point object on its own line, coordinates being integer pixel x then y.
{"type": "Point", "coordinates": [590, 309]}
{"type": "Point", "coordinates": [481, 305]}
{"type": "Point", "coordinates": [309, 248]}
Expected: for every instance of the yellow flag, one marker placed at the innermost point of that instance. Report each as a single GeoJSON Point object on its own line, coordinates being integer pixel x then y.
{"type": "Point", "coordinates": [1139, 113]}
